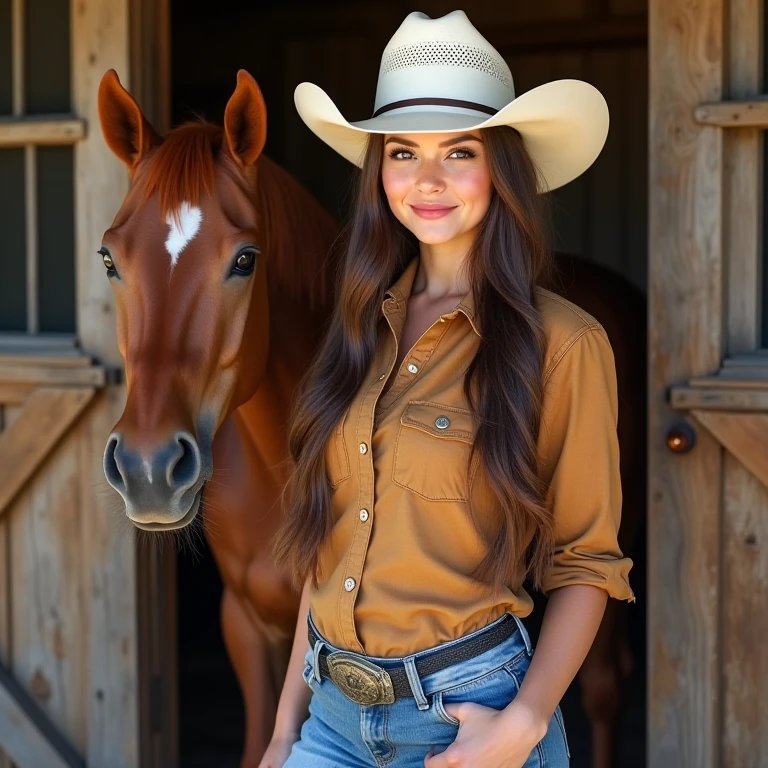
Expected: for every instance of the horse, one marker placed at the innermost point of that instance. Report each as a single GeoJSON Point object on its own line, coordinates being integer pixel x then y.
{"type": "Point", "coordinates": [222, 282]}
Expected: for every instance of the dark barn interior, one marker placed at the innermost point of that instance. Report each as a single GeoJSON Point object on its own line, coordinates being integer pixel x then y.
{"type": "Point", "coordinates": [601, 217]}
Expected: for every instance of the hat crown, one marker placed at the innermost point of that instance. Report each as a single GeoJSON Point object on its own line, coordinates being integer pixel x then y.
{"type": "Point", "coordinates": [444, 57]}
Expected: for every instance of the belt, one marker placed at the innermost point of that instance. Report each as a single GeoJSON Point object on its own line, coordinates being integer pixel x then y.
{"type": "Point", "coordinates": [366, 683]}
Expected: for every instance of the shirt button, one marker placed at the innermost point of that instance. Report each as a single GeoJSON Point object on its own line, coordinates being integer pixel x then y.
{"type": "Point", "coordinates": [363, 514]}
{"type": "Point", "coordinates": [442, 422]}
{"type": "Point", "coordinates": [349, 585]}
{"type": "Point", "coordinates": [363, 448]}
{"type": "Point", "coordinates": [412, 368]}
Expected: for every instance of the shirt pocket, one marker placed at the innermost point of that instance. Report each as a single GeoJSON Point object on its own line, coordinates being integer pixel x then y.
{"type": "Point", "coordinates": [336, 455]}
{"type": "Point", "coordinates": [433, 445]}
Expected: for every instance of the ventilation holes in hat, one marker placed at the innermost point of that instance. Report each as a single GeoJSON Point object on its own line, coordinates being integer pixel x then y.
{"type": "Point", "coordinates": [445, 54]}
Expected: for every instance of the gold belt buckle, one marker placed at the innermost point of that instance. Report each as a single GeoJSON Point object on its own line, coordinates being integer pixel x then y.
{"type": "Point", "coordinates": [361, 681]}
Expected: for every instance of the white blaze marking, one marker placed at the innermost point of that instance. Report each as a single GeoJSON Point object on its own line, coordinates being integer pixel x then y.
{"type": "Point", "coordinates": [183, 226]}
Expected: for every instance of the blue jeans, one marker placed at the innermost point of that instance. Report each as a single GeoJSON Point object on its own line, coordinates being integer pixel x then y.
{"type": "Point", "coordinates": [342, 734]}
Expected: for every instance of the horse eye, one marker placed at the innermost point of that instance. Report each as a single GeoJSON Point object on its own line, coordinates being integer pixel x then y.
{"type": "Point", "coordinates": [106, 258]}
{"type": "Point", "coordinates": [245, 261]}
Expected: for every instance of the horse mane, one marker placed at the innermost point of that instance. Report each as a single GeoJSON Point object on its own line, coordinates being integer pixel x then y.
{"type": "Point", "coordinates": [297, 230]}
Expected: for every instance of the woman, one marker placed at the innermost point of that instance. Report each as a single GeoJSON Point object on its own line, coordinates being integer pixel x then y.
{"type": "Point", "coordinates": [456, 433]}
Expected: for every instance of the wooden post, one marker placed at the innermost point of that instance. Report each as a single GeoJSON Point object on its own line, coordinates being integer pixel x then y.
{"type": "Point", "coordinates": [686, 50]}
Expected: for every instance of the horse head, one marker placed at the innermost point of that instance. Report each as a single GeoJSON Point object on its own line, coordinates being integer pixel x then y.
{"type": "Point", "coordinates": [185, 258]}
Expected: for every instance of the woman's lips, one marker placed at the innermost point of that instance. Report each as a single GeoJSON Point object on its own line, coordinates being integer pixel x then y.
{"type": "Point", "coordinates": [433, 211]}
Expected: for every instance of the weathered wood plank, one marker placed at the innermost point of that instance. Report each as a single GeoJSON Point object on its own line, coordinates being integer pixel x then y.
{"type": "Point", "coordinates": [734, 114]}
{"type": "Point", "coordinates": [744, 435]}
{"type": "Point", "coordinates": [55, 131]}
{"type": "Point", "coordinates": [745, 621]}
{"type": "Point", "coordinates": [685, 254]}
{"type": "Point", "coordinates": [48, 413]}
{"type": "Point", "coordinates": [743, 182]}
{"type": "Point", "coordinates": [101, 40]}
{"type": "Point", "coordinates": [14, 394]}
{"type": "Point", "coordinates": [26, 735]}
{"type": "Point", "coordinates": [49, 592]}
{"type": "Point", "coordinates": [93, 376]}
{"type": "Point", "coordinates": [753, 400]}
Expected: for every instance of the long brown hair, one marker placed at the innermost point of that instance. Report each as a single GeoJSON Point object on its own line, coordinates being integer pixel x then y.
{"type": "Point", "coordinates": [503, 383]}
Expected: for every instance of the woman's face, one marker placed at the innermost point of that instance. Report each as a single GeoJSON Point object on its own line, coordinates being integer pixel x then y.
{"type": "Point", "coordinates": [438, 184]}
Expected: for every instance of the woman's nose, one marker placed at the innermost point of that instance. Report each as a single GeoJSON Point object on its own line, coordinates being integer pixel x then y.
{"type": "Point", "coordinates": [429, 180]}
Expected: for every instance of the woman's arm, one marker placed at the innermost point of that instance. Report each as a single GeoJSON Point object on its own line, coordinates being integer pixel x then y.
{"type": "Point", "coordinates": [571, 621]}
{"type": "Point", "coordinates": [505, 739]}
{"type": "Point", "coordinates": [295, 696]}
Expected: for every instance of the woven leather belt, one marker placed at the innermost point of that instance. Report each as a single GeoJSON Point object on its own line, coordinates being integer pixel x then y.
{"type": "Point", "coordinates": [364, 682]}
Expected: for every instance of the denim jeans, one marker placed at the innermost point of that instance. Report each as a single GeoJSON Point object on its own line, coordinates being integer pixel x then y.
{"type": "Point", "coordinates": [342, 734]}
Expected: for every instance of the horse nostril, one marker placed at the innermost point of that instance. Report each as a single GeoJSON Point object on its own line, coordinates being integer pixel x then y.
{"type": "Point", "coordinates": [111, 468]}
{"type": "Point", "coordinates": [185, 470]}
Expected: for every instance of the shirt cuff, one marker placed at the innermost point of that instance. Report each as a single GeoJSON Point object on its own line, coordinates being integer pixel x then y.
{"type": "Point", "coordinates": [610, 575]}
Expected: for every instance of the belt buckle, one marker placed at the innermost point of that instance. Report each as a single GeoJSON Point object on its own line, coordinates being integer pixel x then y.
{"type": "Point", "coordinates": [359, 680]}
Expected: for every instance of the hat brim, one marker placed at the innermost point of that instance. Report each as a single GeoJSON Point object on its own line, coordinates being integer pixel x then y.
{"type": "Point", "coordinates": [564, 125]}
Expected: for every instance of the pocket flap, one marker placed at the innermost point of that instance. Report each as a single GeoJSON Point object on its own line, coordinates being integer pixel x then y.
{"type": "Point", "coordinates": [445, 421]}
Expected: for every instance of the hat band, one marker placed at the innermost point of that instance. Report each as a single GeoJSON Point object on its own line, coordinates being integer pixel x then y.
{"type": "Point", "coordinates": [435, 103]}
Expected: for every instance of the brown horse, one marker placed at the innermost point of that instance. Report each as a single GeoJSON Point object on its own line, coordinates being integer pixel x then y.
{"type": "Point", "coordinates": [222, 283]}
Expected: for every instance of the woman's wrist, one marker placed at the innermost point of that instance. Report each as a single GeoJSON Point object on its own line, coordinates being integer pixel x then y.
{"type": "Point", "coordinates": [534, 720]}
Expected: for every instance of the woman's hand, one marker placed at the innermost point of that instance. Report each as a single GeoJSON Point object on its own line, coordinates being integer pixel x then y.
{"type": "Point", "coordinates": [489, 737]}
{"type": "Point", "coordinates": [278, 750]}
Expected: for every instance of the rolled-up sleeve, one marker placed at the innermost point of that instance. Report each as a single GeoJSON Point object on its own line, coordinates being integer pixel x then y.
{"type": "Point", "coordinates": [579, 453]}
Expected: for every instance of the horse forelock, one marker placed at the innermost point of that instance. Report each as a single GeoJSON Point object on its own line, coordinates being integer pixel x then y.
{"type": "Point", "coordinates": [182, 169]}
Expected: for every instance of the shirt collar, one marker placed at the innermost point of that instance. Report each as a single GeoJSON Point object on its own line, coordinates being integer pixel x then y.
{"type": "Point", "coordinates": [400, 290]}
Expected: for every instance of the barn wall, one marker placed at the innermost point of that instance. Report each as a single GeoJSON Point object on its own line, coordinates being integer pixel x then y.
{"type": "Point", "coordinates": [67, 571]}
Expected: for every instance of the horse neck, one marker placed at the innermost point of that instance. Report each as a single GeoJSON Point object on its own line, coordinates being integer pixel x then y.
{"type": "Point", "coordinates": [298, 235]}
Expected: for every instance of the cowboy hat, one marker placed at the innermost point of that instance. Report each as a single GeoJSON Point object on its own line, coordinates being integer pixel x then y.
{"type": "Point", "coordinates": [442, 76]}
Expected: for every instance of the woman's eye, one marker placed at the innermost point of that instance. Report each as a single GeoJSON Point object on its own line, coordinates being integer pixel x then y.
{"type": "Point", "coordinates": [245, 261]}
{"type": "Point", "coordinates": [401, 154]}
{"type": "Point", "coordinates": [461, 154]}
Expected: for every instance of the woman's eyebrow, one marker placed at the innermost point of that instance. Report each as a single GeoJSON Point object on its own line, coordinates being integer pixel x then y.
{"type": "Point", "coordinates": [459, 140]}
{"type": "Point", "coordinates": [397, 140]}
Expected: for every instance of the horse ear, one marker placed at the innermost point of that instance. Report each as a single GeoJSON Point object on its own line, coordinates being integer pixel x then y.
{"type": "Point", "coordinates": [127, 132]}
{"type": "Point", "coordinates": [245, 121]}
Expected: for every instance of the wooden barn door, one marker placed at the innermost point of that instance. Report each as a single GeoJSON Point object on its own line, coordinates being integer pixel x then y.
{"type": "Point", "coordinates": [72, 692]}
{"type": "Point", "coordinates": [708, 530]}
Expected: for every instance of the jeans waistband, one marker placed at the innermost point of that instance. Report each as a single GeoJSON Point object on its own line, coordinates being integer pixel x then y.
{"type": "Point", "coordinates": [515, 645]}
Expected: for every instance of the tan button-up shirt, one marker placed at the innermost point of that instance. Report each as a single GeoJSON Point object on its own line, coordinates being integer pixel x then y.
{"type": "Point", "coordinates": [394, 573]}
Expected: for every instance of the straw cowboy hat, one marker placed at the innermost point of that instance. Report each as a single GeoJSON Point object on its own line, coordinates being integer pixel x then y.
{"type": "Point", "coordinates": [442, 76]}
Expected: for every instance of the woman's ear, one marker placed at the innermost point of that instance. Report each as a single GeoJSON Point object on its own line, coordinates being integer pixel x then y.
{"type": "Point", "coordinates": [127, 132]}
{"type": "Point", "coordinates": [245, 121]}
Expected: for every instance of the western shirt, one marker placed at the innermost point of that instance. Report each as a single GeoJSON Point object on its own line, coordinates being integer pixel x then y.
{"type": "Point", "coordinates": [394, 574]}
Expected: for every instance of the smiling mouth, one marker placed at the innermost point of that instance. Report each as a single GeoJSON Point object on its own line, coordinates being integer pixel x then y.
{"type": "Point", "coordinates": [432, 211]}
{"type": "Point", "coordinates": [176, 524]}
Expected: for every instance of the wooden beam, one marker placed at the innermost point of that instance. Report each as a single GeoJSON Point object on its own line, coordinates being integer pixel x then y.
{"type": "Point", "coordinates": [91, 376]}
{"type": "Point", "coordinates": [685, 251]}
{"type": "Point", "coordinates": [14, 393]}
{"type": "Point", "coordinates": [47, 414]}
{"type": "Point", "coordinates": [725, 399]}
{"type": "Point", "coordinates": [50, 130]}
{"type": "Point", "coordinates": [733, 114]}
{"type": "Point", "coordinates": [745, 435]}
{"type": "Point", "coordinates": [26, 734]}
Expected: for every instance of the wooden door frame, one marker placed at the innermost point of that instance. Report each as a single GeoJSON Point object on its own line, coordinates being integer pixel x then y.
{"type": "Point", "coordinates": [150, 84]}
{"type": "Point", "coordinates": [706, 369]}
